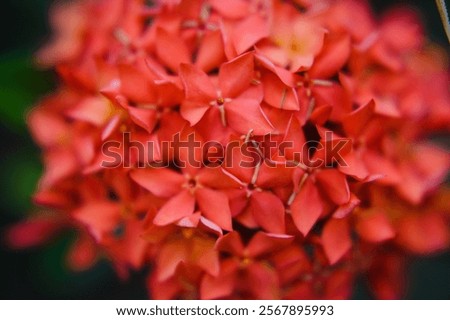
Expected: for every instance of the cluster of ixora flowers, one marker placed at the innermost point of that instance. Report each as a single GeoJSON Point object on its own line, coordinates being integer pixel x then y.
{"type": "Point", "coordinates": [355, 98]}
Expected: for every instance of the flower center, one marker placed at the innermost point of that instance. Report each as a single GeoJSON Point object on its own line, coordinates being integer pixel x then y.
{"type": "Point", "coordinates": [191, 183]}
{"type": "Point", "coordinates": [251, 186]}
{"type": "Point", "coordinates": [245, 262]}
{"type": "Point", "coordinates": [187, 233]}
{"type": "Point", "coordinates": [295, 46]}
{"type": "Point", "coordinates": [220, 101]}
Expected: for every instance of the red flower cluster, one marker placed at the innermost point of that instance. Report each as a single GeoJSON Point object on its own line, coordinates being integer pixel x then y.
{"type": "Point", "coordinates": [298, 223]}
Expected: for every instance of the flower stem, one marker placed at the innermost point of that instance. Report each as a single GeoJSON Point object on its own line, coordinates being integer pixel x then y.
{"type": "Point", "coordinates": [444, 17]}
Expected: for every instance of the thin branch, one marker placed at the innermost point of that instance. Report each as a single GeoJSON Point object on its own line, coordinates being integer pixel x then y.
{"type": "Point", "coordinates": [444, 16]}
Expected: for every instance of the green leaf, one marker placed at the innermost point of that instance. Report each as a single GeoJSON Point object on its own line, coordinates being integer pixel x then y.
{"type": "Point", "coordinates": [19, 181]}
{"type": "Point", "coordinates": [21, 86]}
{"type": "Point", "coordinates": [53, 277]}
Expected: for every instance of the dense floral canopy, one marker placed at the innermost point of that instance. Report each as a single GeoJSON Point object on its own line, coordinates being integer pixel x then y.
{"type": "Point", "coordinates": [354, 97]}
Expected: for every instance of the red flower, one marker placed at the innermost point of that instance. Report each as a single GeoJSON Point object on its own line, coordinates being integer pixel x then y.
{"type": "Point", "coordinates": [184, 193]}
{"type": "Point", "coordinates": [235, 99]}
{"type": "Point", "coordinates": [320, 116]}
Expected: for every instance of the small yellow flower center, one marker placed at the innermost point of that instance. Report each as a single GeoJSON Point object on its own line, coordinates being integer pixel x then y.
{"type": "Point", "coordinates": [245, 262]}
{"type": "Point", "coordinates": [188, 233]}
{"type": "Point", "coordinates": [220, 101]}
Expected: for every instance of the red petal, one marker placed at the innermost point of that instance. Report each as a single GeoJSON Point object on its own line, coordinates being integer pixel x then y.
{"type": "Point", "coordinates": [284, 75]}
{"type": "Point", "coordinates": [233, 166]}
{"type": "Point", "coordinates": [268, 211]}
{"type": "Point", "coordinates": [100, 217]}
{"type": "Point", "coordinates": [222, 285]}
{"type": "Point", "coordinates": [321, 114]}
{"type": "Point", "coordinates": [407, 27]}
{"type": "Point", "coordinates": [263, 282]}
{"type": "Point", "coordinates": [168, 259]}
{"type": "Point", "coordinates": [345, 209]}
{"type": "Point", "coordinates": [307, 207]}
{"type": "Point", "coordinates": [94, 110]}
{"type": "Point", "coordinates": [354, 166]}
{"type": "Point", "coordinates": [279, 95]}
{"type": "Point", "coordinates": [190, 221]}
{"type": "Point", "coordinates": [212, 119]}
{"type": "Point", "coordinates": [387, 276]}
{"type": "Point", "coordinates": [203, 254]}
{"type": "Point", "coordinates": [161, 182]}
{"type": "Point", "coordinates": [171, 49]}
{"type": "Point", "coordinates": [59, 164]}
{"type": "Point", "coordinates": [248, 32]}
{"type": "Point", "coordinates": [180, 206]}
{"type": "Point", "coordinates": [356, 121]}
{"type": "Point", "coordinates": [83, 254]}
{"type": "Point", "coordinates": [236, 75]}
{"type": "Point", "coordinates": [378, 164]}
{"type": "Point", "coordinates": [32, 232]}
{"type": "Point", "coordinates": [274, 176]}
{"type": "Point", "coordinates": [111, 126]}
{"type": "Point", "coordinates": [193, 111]}
{"type": "Point", "coordinates": [339, 285]}
{"type": "Point", "coordinates": [244, 115]}
{"type": "Point", "coordinates": [216, 178]}
{"type": "Point", "coordinates": [145, 118]}
{"type": "Point", "coordinates": [211, 52]}
{"type": "Point", "coordinates": [334, 95]}
{"type": "Point", "coordinates": [130, 250]}
{"type": "Point", "coordinates": [336, 239]}
{"type": "Point", "coordinates": [276, 55]}
{"type": "Point", "coordinates": [332, 149]}
{"type": "Point", "coordinates": [386, 107]}
{"type": "Point", "coordinates": [211, 226]}
{"type": "Point", "coordinates": [216, 287]}
{"type": "Point", "coordinates": [136, 85]}
{"type": "Point", "coordinates": [47, 128]}
{"type": "Point", "coordinates": [413, 186]}
{"type": "Point", "coordinates": [85, 147]}
{"type": "Point", "coordinates": [335, 185]}
{"type": "Point", "coordinates": [263, 243]}
{"type": "Point", "coordinates": [238, 201]}
{"type": "Point", "coordinates": [295, 140]}
{"type": "Point", "coordinates": [245, 217]}
{"type": "Point", "coordinates": [163, 290]}
{"type": "Point", "coordinates": [231, 9]}
{"type": "Point", "coordinates": [231, 243]}
{"type": "Point", "coordinates": [170, 94]}
{"type": "Point", "coordinates": [332, 58]}
{"type": "Point", "coordinates": [197, 84]}
{"type": "Point", "coordinates": [374, 226]}
{"type": "Point", "coordinates": [51, 198]}
{"type": "Point", "coordinates": [424, 234]}
{"type": "Point", "coordinates": [214, 205]}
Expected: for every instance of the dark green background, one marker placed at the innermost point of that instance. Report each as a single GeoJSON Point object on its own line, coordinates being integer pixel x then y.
{"type": "Point", "coordinates": [40, 273]}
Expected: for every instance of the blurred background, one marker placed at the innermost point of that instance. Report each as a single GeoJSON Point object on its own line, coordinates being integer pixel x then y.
{"type": "Point", "coordinates": [39, 273]}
